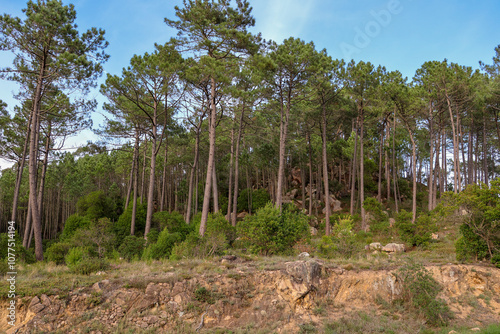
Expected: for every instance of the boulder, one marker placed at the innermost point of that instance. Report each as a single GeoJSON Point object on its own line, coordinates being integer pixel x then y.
{"type": "Point", "coordinates": [392, 221]}
{"type": "Point", "coordinates": [375, 246]}
{"type": "Point", "coordinates": [308, 272]}
{"type": "Point", "coordinates": [394, 248]}
{"type": "Point", "coordinates": [313, 230]}
{"type": "Point", "coordinates": [434, 236]}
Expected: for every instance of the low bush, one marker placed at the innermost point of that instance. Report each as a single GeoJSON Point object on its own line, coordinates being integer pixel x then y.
{"type": "Point", "coordinates": [80, 261]}
{"type": "Point", "coordinates": [259, 199]}
{"type": "Point", "coordinates": [270, 231]}
{"type": "Point", "coordinates": [74, 223]}
{"type": "Point", "coordinates": [418, 233]}
{"type": "Point", "coordinates": [173, 221]}
{"type": "Point", "coordinates": [163, 247]}
{"type": "Point", "coordinates": [342, 242]}
{"type": "Point", "coordinates": [419, 292]}
{"type": "Point", "coordinates": [57, 252]}
{"type": "Point", "coordinates": [131, 247]}
{"type": "Point", "coordinates": [121, 228]}
{"type": "Point", "coordinates": [219, 235]}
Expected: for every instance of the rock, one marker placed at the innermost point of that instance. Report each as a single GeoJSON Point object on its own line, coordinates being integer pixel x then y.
{"type": "Point", "coordinates": [434, 236]}
{"type": "Point", "coordinates": [307, 272]}
{"type": "Point", "coordinates": [97, 286]}
{"type": "Point", "coordinates": [475, 329]}
{"type": "Point", "coordinates": [35, 306]}
{"type": "Point", "coordinates": [293, 193]}
{"type": "Point", "coordinates": [375, 246]}
{"type": "Point", "coordinates": [313, 230]}
{"type": "Point", "coordinates": [452, 332]}
{"type": "Point", "coordinates": [394, 248]}
{"type": "Point", "coordinates": [392, 221]}
{"type": "Point", "coordinates": [336, 205]}
{"type": "Point", "coordinates": [304, 254]}
{"type": "Point", "coordinates": [229, 257]}
{"type": "Point", "coordinates": [45, 300]}
{"type": "Point", "coordinates": [242, 215]}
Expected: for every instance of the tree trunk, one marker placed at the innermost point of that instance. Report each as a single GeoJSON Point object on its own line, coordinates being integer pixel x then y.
{"type": "Point", "coordinates": [215, 190]}
{"type": "Point", "coordinates": [33, 164]}
{"type": "Point", "coordinates": [380, 149]}
{"type": "Point", "coordinates": [210, 165]}
{"type": "Point", "coordinates": [325, 173]}
{"type": "Point", "coordinates": [192, 176]}
{"type": "Point", "coordinates": [354, 167]}
{"type": "Point", "coordinates": [308, 138]}
{"type": "Point", "coordinates": [143, 182]}
{"type": "Point", "coordinates": [136, 181]}
{"type": "Point", "coordinates": [485, 153]}
{"type": "Point", "coordinates": [19, 174]}
{"type": "Point", "coordinates": [456, 163]}
{"type": "Point", "coordinates": [362, 172]}
{"type": "Point", "coordinates": [281, 167]}
{"type": "Point", "coordinates": [230, 185]}
{"type": "Point", "coordinates": [149, 211]}
{"type": "Point", "coordinates": [430, 185]}
{"type": "Point", "coordinates": [164, 178]}
{"type": "Point", "coordinates": [394, 174]}
{"type": "Point", "coordinates": [236, 168]}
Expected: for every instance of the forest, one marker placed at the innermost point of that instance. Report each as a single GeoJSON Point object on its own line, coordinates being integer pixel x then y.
{"type": "Point", "coordinates": [219, 139]}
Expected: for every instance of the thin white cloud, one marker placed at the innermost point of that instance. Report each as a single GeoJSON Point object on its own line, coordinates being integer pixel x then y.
{"type": "Point", "coordinates": [280, 19]}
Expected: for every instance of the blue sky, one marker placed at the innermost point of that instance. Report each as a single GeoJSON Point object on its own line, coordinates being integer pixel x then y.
{"type": "Point", "coordinates": [398, 34]}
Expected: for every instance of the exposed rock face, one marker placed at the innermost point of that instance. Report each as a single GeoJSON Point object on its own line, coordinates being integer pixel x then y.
{"type": "Point", "coordinates": [285, 297]}
{"type": "Point", "coordinates": [394, 248]}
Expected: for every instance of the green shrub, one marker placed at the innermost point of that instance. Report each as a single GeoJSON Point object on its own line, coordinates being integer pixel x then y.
{"type": "Point", "coordinates": [152, 236]}
{"type": "Point", "coordinates": [98, 238]}
{"type": "Point", "coordinates": [419, 291]}
{"type": "Point", "coordinates": [163, 247]}
{"type": "Point", "coordinates": [495, 259]}
{"type": "Point", "coordinates": [131, 247]}
{"type": "Point", "coordinates": [121, 227]}
{"type": "Point", "coordinates": [4, 267]}
{"type": "Point", "coordinates": [219, 235]}
{"type": "Point", "coordinates": [271, 232]}
{"type": "Point", "coordinates": [80, 261]}
{"type": "Point", "coordinates": [96, 205]}
{"type": "Point", "coordinates": [260, 198]}
{"type": "Point", "coordinates": [74, 223]}
{"type": "Point", "coordinates": [57, 252]}
{"type": "Point", "coordinates": [342, 241]}
{"type": "Point", "coordinates": [469, 246]}
{"type": "Point", "coordinates": [415, 234]}
{"type": "Point", "coordinates": [173, 221]}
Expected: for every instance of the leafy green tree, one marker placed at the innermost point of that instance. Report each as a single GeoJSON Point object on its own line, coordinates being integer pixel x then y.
{"type": "Point", "coordinates": [50, 51]}
{"type": "Point", "coordinates": [217, 32]}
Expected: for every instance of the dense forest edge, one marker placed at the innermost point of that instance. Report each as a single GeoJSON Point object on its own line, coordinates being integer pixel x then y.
{"type": "Point", "coordinates": [221, 143]}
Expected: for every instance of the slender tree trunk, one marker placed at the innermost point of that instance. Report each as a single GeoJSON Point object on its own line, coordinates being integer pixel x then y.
{"type": "Point", "coordinates": [237, 169]}
{"type": "Point", "coordinates": [285, 113]}
{"type": "Point", "coordinates": [362, 172]}
{"type": "Point", "coordinates": [430, 186]}
{"type": "Point", "coordinates": [485, 154]}
{"type": "Point", "coordinates": [456, 163]}
{"type": "Point", "coordinates": [130, 183]}
{"type": "Point", "coordinates": [414, 172]}
{"type": "Point", "coordinates": [215, 190]}
{"type": "Point", "coordinates": [354, 168]}
{"type": "Point", "coordinates": [33, 163]}
{"type": "Point", "coordinates": [19, 174]}
{"type": "Point", "coordinates": [143, 182]}
{"type": "Point", "coordinates": [149, 211]}
{"type": "Point", "coordinates": [380, 149]}
{"type": "Point", "coordinates": [211, 156]}
{"type": "Point", "coordinates": [325, 173]}
{"type": "Point", "coordinates": [27, 228]}
{"type": "Point", "coordinates": [164, 178]}
{"type": "Point", "coordinates": [387, 170]}
{"type": "Point", "coordinates": [192, 176]}
{"type": "Point", "coordinates": [308, 138]}
{"type": "Point", "coordinates": [230, 186]}
{"type": "Point", "coordinates": [136, 182]}
{"type": "Point", "coordinates": [394, 174]}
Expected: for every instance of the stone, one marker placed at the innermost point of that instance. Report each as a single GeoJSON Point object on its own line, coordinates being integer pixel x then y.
{"type": "Point", "coordinates": [307, 272]}
{"type": "Point", "coordinates": [304, 254]}
{"type": "Point", "coordinates": [230, 257]}
{"type": "Point", "coordinates": [293, 193]}
{"type": "Point", "coordinates": [242, 215]}
{"type": "Point", "coordinates": [45, 300]}
{"type": "Point", "coordinates": [313, 230]}
{"type": "Point", "coordinates": [394, 248]}
{"type": "Point", "coordinates": [434, 236]}
{"type": "Point", "coordinates": [392, 221]}
{"type": "Point", "coordinates": [375, 246]}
